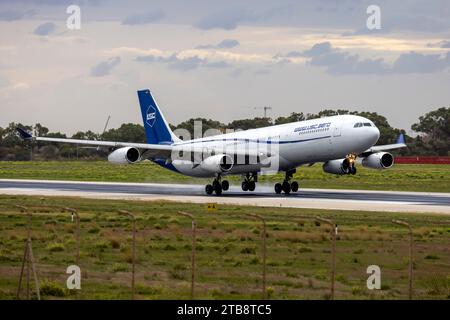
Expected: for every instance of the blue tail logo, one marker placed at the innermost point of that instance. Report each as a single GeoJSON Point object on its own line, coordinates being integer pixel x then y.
{"type": "Point", "coordinates": [157, 130]}
{"type": "Point", "coordinates": [151, 116]}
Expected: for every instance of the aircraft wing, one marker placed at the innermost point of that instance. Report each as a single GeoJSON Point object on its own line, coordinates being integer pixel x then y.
{"type": "Point", "coordinates": [399, 144]}
{"type": "Point", "coordinates": [149, 150]}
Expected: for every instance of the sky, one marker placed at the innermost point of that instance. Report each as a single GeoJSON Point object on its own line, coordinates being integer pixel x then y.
{"type": "Point", "coordinates": [223, 60]}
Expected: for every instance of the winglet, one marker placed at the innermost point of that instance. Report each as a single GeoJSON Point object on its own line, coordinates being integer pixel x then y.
{"type": "Point", "coordinates": [25, 135]}
{"type": "Point", "coordinates": [401, 139]}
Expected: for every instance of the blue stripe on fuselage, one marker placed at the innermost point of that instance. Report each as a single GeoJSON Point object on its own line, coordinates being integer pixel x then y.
{"type": "Point", "coordinates": [250, 140]}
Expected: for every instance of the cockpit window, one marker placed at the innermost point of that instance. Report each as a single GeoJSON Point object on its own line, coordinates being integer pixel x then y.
{"type": "Point", "coordinates": [365, 124]}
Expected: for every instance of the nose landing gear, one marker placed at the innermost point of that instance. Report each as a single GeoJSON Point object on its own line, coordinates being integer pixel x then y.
{"type": "Point", "coordinates": [287, 186]}
{"type": "Point", "coordinates": [350, 160]}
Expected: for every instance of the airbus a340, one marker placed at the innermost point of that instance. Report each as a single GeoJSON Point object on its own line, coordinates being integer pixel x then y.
{"type": "Point", "coordinates": [336, 141]}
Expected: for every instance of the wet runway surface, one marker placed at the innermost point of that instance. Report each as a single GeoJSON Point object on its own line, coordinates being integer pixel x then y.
{"type": "Point", "coordinates": [261, 191]}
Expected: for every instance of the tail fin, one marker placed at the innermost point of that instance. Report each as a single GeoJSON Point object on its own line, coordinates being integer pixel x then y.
{"type": "Point", "coordinates": [156, 127]}
{"type": "Point", "coordinates": [401, 138]}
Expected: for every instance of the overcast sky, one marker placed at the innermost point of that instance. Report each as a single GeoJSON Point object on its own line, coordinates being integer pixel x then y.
{"type": "Point", "coordinates": [220, 59]}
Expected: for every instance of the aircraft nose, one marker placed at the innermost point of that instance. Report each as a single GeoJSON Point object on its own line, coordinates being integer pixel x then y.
{"type": "Point", "coordinates": [375, 134]}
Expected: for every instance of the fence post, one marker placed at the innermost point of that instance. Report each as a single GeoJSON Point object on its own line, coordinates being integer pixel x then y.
{"type": "Point", "coordinates": [410, 268]}
{"type": "Point", "coordinates": [194, 228]}
{"type": "Point", "coordinates": [28, 259]}
{"type": "Point", "coordinates": [333, 251]}
{"type": "Point", "coordinates": [133, 258]}
{"type": "Point", "coordinates": [77, 234]}
{"type": "Point", "coordinates": [264, 252]}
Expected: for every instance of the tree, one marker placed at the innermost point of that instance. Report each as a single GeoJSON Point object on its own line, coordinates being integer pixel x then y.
{"type": "Point", "coordinates": [293, 117]}
{"type": "Point", "coordinates": [10, 137]}
{"type": "Point", "coordinates": [436, 127]}
{"type": "Point", "coordinates": [326, 113]}
{"type": "Point", "coordinates": [206, 125]}
{"type": "Point", "coordinates": [40, 130]}
{"type": "Point", "coordinates": [245, 124]}
{"type": "Point", "coordinates": [129, 132]}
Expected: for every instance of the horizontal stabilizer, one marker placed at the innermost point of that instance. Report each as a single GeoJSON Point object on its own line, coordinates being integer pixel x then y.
{"type": "Point", "coordinates": [25, 135]}
{"type": "Point", "coordinates": [400, 143]}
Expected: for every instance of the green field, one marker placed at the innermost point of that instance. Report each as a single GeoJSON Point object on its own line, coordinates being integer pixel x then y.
{"type": "Point", "coordinates": [228, 251]}
{"type": "Point", "coordinates": [431, 178]}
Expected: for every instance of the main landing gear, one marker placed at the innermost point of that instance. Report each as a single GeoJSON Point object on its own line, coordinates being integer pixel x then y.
{"type": "Point", "coordinates": [249, 183]}
{"type": "Point", "coordinates": [287, 186]}
{"type": "Point", "coordinates": [217, 186]}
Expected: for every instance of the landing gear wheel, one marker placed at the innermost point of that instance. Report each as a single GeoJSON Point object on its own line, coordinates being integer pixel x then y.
{"type": "Point", "coordinates": [225, 185]}
{"type": "Point", "coordinates": [286, 187]}
{"type": "Point", "coordinates": [251, 186]}
{"type": "Point", "coordinates": [294, 186]}
{"type": "Point", "coordinates": [218, 189]}
{"type": "Point", "coordinates": [353, 170]}
{"type": "Point", "coordinates": [278, 188]}
{"type": "Point", "coordinates": [209, 189]}
{"type": "Point", "coordinates": [244, 186]}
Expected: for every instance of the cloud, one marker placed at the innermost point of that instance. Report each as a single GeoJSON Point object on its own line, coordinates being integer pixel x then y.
{"type": "Point", "coordinates": [181, 62]}
{"type": "Point", "coordinates": [337, 61]}
{"type": "Point", "coordinates": [318, 49]}
{"type": "Point", "coordinates": [14, 15]}
{"type": "Point", "coordinates": [143, 18]}
{"type": "Point", "coordinates": [174, 62]}
{"type": "Point", "coordinates": [227, 19]}
{"type": "Point", "coordinates": [228, 44]}
{"type": "Point", "coordinates": [340, 62]}
{"type": "Point", "coordinates": [186, 63]}
{"type": "Point", "coordinates": [3, 82]}
{"type": "Point", "coordinates": [217, 64]}
{"type": "Point", "coordinates": [224, 44]}
{"type": "Point", "coordinates": [45, 29]}
{"type": "Point", "coordinates": [413, 62]}
{"type": "Point", "coordinates": [21, 86]}
{"type": "Point", "coordinates": [444, 44]}
{"type": "Point", "coordinates": [104, 67]}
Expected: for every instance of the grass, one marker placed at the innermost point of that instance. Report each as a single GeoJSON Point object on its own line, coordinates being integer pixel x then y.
{"type": "Point", "coordinates": [228, 251]}
{"type": "Point", "coordinates": [431, 178]}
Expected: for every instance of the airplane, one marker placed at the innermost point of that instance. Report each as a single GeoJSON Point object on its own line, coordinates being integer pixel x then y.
{"type": "Point", "coordinates": [336, 141]}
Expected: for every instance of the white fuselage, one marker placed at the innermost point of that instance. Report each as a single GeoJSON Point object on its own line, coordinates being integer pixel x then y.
{"type": "Point", "coordinates": [288, 145]}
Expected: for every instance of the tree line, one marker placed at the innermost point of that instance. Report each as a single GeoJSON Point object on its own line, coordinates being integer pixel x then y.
{"type": "Point", "coordinates": [433, 137]}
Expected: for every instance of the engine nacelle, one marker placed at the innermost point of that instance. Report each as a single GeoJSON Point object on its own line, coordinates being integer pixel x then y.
{"type": "Point", "coordinates": [124, 155]}
{"type": "Point", "coordinates": [379, 160]}
{"type": "Point", "coordinates": [339, 166]}
{"type": "Point", "coordinates": [218, 163]}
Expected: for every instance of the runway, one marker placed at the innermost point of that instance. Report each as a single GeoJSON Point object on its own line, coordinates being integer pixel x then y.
{"type": "Point", "coordinates": [262, 196]}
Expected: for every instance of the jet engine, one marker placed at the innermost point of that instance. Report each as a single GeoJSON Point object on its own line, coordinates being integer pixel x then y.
{"type": "Point", "coordinates": [218, 163]}
{"type": "Point", "coordinates": [379, 160]}
{"type": "Point", "coordinates": [338, 166]}
{"type": "Point", "coordinates": [124, 155]}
